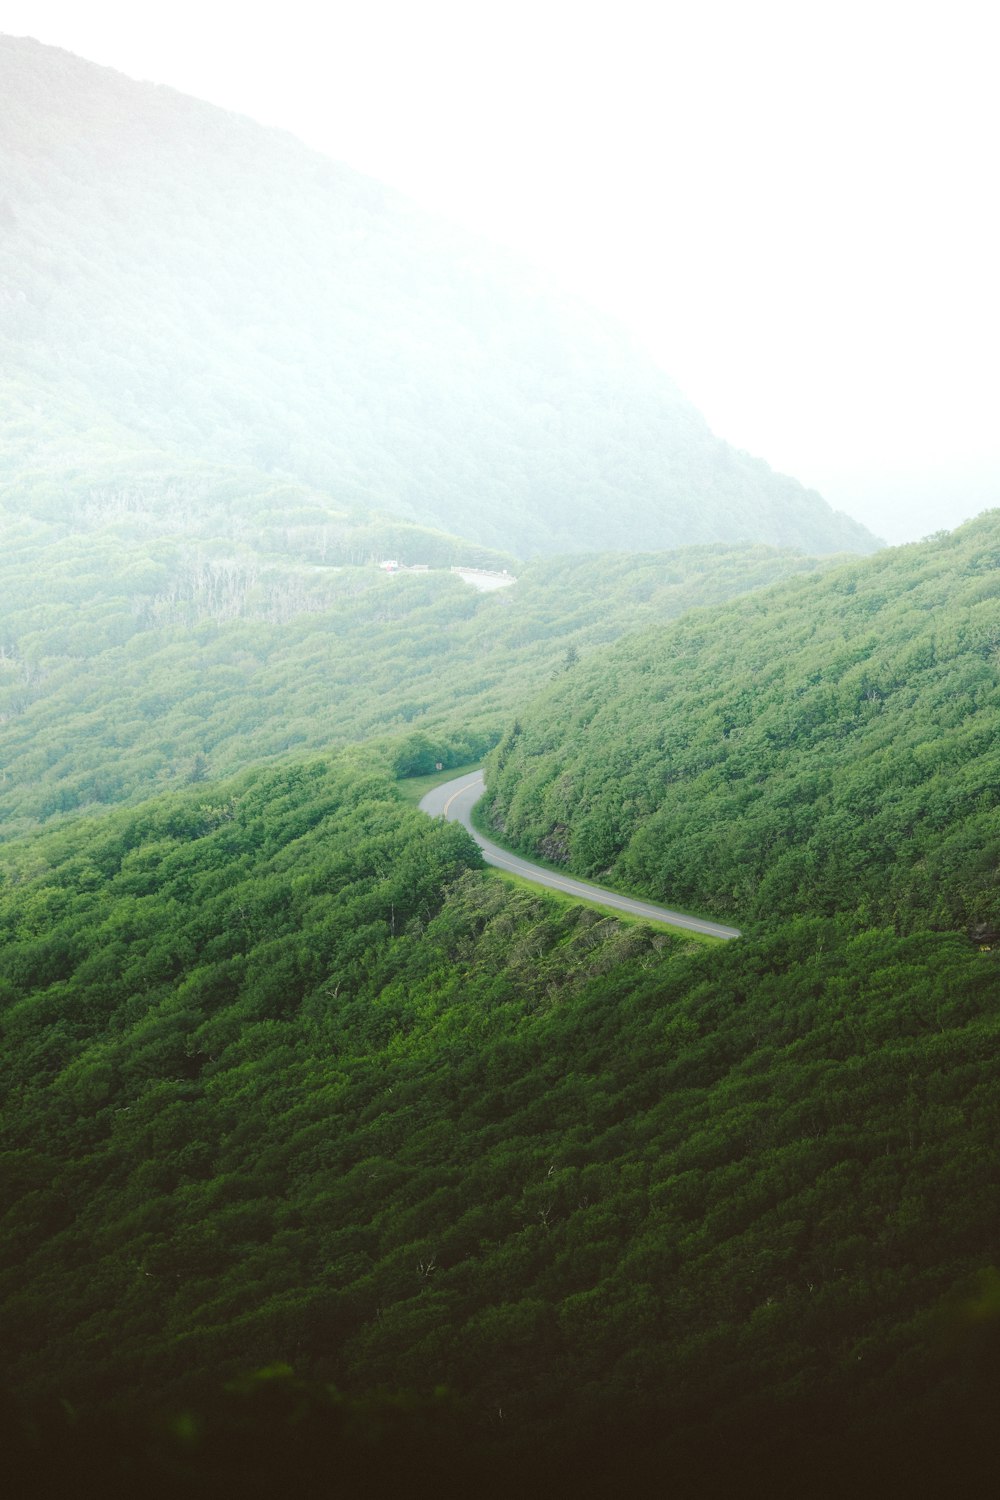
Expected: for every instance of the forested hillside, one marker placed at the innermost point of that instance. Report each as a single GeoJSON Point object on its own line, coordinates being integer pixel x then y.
{"type": "Point", "coordinates": [133, 657]}
{"type": "Point", "coordinates": [831, 743]}
{"type": "Point", "coordinates": [333, 1164]}
{"type": "Point", "coordinates": [290, 1082]}
{"type": "Point", "coordinates": [181, 288]}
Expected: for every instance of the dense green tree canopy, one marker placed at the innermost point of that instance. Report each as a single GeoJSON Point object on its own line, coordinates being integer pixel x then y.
{"type": "Point", "coordinates": [288, 1079]}
{"type": "Point", "coordinates": [132, 657]}
{"type": "Point", "coordinates": [830, 744]}
{"type": "Point", "coordinates": [332, 1162]}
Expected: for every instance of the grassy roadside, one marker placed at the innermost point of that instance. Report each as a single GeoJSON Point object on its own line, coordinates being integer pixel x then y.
{"type": "Point", "coordinates": [415, 787]}
{"type": "Point", "coordinates": [568, 900]}
{"type": "Point", "coordinates": [564, 899]}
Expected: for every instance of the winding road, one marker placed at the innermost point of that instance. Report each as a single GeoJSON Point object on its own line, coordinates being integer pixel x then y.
{"type": "Point", "coordinates": [454, 800]}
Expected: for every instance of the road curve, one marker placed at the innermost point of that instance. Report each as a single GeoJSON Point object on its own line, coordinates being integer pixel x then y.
{"type": "Point", "coordinates": [454, 800]}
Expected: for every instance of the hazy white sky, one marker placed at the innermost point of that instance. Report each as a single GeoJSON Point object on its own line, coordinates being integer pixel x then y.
{"type": "Point", "coordinates": [793, 204]}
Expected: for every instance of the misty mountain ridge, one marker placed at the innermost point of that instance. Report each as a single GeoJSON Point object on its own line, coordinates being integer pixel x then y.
{"type": "Point", "coordinates": [179, 286]}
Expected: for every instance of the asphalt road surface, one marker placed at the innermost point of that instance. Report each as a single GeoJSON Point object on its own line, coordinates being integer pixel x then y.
{"type": "Point", "coordinates": [454, 800]}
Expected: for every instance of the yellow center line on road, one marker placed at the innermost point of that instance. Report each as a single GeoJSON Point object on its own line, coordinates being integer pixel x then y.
{"type": "Point", "coordinates": [462, 789]}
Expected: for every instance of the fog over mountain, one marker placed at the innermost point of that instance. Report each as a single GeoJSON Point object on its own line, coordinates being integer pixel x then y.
{"type": "Point", "coordinates": [182, 287]}
{"type": "Point", "coordinates": [818, 279]}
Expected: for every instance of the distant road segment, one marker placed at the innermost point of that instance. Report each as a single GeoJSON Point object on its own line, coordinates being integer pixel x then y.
{"type": "Point", "coordinates": [454, 800]}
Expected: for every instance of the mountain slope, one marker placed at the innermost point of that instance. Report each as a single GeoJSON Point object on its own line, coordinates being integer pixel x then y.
{"type": "Point", "coordinates": [133, 656]}
{"type": "Point", "coordinates": [829, 744]}
{"type": "Point", "coordinates": [287, 1078]}
{"type": "Point", "coordinates": [178, 284]}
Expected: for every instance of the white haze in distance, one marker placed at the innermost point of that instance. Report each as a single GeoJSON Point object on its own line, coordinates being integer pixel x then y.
{"type": "Point", "coordinates": [794, 205]}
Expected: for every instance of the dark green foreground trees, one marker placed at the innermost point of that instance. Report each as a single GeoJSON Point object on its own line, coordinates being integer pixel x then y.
{"type": "Point", "coordinates": [290, 1081]}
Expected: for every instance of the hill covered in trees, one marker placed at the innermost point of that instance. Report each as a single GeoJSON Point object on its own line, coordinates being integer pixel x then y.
{"type": "Point", "coordinates": [507, 1190]}
{"type": "Point", "coordinates": [189, 301]}
{"type": "Point", "coordinates": [829, 743]}
{"type": "Point", "coordinates": [524, 1195]}
{"type": "Point", "coordinates": [333, 1164]}
{"type": "Point", "coordinates": [134, 657]}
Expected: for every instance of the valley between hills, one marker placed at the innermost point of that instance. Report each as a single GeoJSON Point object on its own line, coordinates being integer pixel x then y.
{"type": "Point", "coordinates": [334, 1163]}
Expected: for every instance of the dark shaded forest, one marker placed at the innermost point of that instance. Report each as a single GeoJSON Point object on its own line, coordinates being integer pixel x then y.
{"type": "Point", "coordinates": [292, 1083]}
